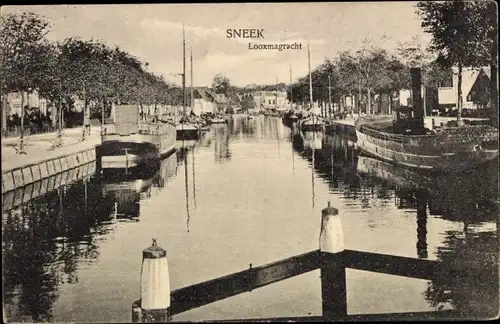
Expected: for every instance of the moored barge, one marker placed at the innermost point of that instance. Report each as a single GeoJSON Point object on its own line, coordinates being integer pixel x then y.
{"type": "Point", "coordinates": [130, 142]}
{"type": "Point", "coordinates": [448, 149]}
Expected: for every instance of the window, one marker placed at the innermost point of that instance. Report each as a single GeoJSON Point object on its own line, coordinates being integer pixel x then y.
{"type": "Point", "coordinates": [270, 101]}
{"type": "Point", "coordinates": [274, 102]}
{"type": "Point", "coordinates": [447, 82]}
{"type": "Point", "coordinates": [469, 97]}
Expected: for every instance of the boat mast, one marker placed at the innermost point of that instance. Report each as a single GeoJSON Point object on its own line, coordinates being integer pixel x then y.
{"type": "Point", "coordinates": [291, 88]}
{"type": "Point", "coordinates": [276, 96]}
{"type": "Point", "coordinates": [183, 70]}
{"type": "Point", "coordinates": [191, 86]}
{"type": "Point", "coordinates": [310, 78]}
{"type": "Point", "coordinates": [330, 96]}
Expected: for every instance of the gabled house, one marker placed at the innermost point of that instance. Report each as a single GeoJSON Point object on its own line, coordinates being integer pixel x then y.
{"type": "Point", "coordinates": [204, 102]}
{"type": "Point", "coordinates": [220, 101]}
{"type": "Point", "coordinates": [475, 89]}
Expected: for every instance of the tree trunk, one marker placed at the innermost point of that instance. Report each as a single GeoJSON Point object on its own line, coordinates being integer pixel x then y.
{"type": "Point", "coordinates": [84, 115]}
{"type": "Point", "coordinates": [459, 95]}
{"type": "Point", "coordinates": [4, 112]}
{"type": "Point", "coordinates": [494, 84]}
{"type": "Point", "coordinates": [358, 98]}
{"type": "Point", "coordinates": [102, 114]}
{"type": "Point", "coordinates": [21, 132]}
{"type": "Point", "coordinates": [368, 101]}
{"type": "Point", "coordinates": [390, 103]}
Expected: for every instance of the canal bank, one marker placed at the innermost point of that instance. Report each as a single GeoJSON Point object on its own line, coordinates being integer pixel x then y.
{"type": "Point", "coordinates": [41, 162]}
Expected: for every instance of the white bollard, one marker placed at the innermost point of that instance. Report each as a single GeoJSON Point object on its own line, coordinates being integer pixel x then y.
{"type": "Point", "coordinates": [331, 238]}
{"type": "Point", "coordinates": [333, 274]}
{"type": "Point", "coordinates": [155, 285]}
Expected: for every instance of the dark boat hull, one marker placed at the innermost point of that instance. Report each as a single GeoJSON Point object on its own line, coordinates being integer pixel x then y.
{"type": "Point", "coordinates": [312, 127]}
{"type": "Point", "coordinates": [445, 162]}
{"type": "Point", "coordinates": [129, 151]}
{"type": "Point", "coordinates": [188, 133]}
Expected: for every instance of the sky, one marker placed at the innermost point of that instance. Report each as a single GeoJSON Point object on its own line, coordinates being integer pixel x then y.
{"type": "Point", "coordinates": [153, 33]}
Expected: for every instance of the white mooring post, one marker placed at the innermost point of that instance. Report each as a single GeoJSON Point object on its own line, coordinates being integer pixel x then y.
{"type": "Point", "coordinates": [331, 238]}
{"type": "Point", "coordinates": [333, 275]}
{"type": "Point", "coordinates": [155, 287]}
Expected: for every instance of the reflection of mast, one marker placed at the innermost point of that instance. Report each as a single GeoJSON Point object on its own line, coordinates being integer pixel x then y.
{"type": "Point", "coordinates": [186, 187]}
{"type": "Point", "coordinates": [421, 226]}
{"type": "Point", "coordinates": [86, 195]}
{"type": "Point", "coordinates": [277, 135]}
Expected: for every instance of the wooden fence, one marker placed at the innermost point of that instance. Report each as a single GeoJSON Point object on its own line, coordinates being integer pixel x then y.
{"type": "Point", "coordinates": [332, 260]}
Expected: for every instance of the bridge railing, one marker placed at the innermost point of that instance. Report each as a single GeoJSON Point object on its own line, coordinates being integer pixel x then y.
{"type": "Point", "coordinates": [331, 259]}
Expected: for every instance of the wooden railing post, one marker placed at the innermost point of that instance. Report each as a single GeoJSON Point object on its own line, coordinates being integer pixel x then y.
{"type": "Point", "coordinates": [333, 275]}
{"type": "Point", "coordinates": [154, 305]}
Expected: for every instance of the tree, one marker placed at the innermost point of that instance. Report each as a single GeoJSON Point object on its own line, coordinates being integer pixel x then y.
{"type": "Point", "coordinates": [368, 68]}
{"type": "Point", "coordinates": [464, 35]}
{"type": "Point", "coordinates": [22, 46]}
{"type": "Point", "coordinates": [221, 84]}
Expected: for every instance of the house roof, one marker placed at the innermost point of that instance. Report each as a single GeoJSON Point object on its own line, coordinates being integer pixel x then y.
{"type": "Point", "coordinates": [203, 93]}
{"type": "Point", "coordinates": [269, 93]}
{"type": "Point", "coordinates": [487, 71]}
{"type": "Point", "coordinates": [469, 77]}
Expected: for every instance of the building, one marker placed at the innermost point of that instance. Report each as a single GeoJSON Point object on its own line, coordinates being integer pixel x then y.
{"type": "Point", "coordinates": [271, 100]}
{"type": "Point", "coordinates": [475, 89]}
{"type": "Point", "coordinates": [220, 100]}
{"type": "Point", "coordinates": [32, 100]}
{"type": "Point", "coordinates": [204, 102]}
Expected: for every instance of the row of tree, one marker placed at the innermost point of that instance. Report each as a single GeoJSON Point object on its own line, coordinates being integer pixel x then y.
{"type": "Point", "coordinates": [464, 35]}
{"type": "Point", "coordinates": [88, 70]}
{"type": "Point", "coordinates": [363, 73]}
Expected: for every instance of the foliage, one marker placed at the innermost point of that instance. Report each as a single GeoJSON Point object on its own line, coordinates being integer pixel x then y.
{"type": "Point", "coordinates": [461, 34]}
{"type": "Point", "coordinates": [464, 35]}
{"type": "Point", "coordinates": [22, 47]}
{"type": "Point", "coordinates": [221, 84]}
{"type": "Point", "coordinates": [74, 68]}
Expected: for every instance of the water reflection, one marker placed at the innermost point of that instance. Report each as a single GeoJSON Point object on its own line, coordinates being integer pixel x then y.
{"type": "Point", "coordinates": [185, 149]}
{"type": "Point", "coordinates": [48, 238]}
{"type": "Point", "coordinates": [221, 136]}
{"type": "Point", "coordinates": [48, 241]}
{"type": "Point", "coordinates": [44, 241]}
{"type": "Point", "coordinates": [470, 200]}
{"type": "Point", "coordinates": [474, 290]}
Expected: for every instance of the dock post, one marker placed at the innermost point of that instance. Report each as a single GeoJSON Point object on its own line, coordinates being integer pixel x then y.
{"type": "Point", "coordinates": [154, 306]}
{"type": "Point", "coordinates": [333, 275]}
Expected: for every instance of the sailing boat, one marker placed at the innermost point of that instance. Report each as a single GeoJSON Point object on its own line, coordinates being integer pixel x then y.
{"type": "Point", "coordinates": [185, 129]}
{"type": "Point", "coordinates": [312, 122]}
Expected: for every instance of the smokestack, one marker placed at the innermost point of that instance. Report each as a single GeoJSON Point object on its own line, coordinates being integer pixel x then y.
{"type": "Point", "coordinates": [416, 87]}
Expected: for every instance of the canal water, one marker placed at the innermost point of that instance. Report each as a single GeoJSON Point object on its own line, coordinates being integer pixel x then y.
{"type": "Point", "coordinates": [250, 192]}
